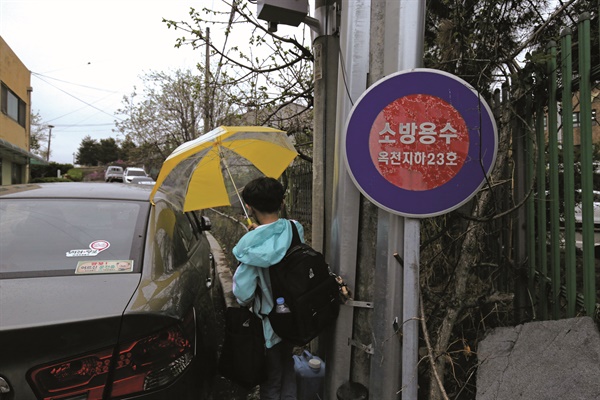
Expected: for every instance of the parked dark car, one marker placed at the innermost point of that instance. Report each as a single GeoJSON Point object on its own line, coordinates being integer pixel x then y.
{"type": "Point", "coordinates": [104, 295]}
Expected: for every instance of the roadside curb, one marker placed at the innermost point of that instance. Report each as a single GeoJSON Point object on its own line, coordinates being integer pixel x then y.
{"type": "Point", "coordinates": [223, 271]}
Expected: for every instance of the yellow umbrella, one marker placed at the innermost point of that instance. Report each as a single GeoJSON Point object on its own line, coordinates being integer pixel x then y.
{"type": "Point", "coordinates": [194, 172]}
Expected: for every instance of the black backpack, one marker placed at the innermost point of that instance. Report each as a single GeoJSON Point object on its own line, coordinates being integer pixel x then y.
{"type": "Point", "coordinates": [310, 290]}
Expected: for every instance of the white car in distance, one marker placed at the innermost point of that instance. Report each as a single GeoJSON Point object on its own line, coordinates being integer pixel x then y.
{"type": "Point", "coordinates": [131, 172]}
{"type": "Point", "coordinates": [579, 211]}
{"type": "Point", "coordinates": [143, 180]}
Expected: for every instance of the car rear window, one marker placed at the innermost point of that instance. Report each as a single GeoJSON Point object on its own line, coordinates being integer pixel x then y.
{"type": "Point", "coordinates": [45, 235]}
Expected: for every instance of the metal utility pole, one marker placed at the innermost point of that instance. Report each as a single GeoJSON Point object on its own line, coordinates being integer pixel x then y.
{"type": "Point", "coordinates": [396, 46]}
{"type": "Point", "coordinates": [411, 32]}
{"type": "Point", "coordinates": [354, 46]}
{"type": "Point", "coordinates": [386, 366]}
{"type": "Point", "coordinates": [49, 139]}
{"type": "Point", "coordinates": [207, 126]}
{"type": "Point", "coordinates": [326, 48]}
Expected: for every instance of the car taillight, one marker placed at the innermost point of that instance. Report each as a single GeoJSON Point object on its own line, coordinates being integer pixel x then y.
{"type": "Point", "coordinates": [141, 365]}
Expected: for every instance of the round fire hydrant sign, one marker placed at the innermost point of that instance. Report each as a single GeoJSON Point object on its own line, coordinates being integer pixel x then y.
{"type": "Point", "coordinates": [420, 143]}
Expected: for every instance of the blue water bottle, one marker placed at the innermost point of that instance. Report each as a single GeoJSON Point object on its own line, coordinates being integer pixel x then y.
{"type": "Point", "coordinates": [310, 376]}
{"type": "Point", "coordinates": [281, 307]}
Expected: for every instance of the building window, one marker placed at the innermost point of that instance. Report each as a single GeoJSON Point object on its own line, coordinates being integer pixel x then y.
{"type": "Point", "coordinates": [577, 118]}
{"type": "Point", "coordinates": [12, 105]}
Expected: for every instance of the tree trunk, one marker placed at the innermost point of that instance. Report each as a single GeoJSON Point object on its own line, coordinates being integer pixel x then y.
{"type": "Point", "coordinates": [469, 257]}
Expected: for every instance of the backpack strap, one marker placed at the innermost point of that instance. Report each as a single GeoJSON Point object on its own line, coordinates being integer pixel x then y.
{"type": "Point", "coordinates": [295, 235]}
{"type": "Point", "coordinates": [273, 274]}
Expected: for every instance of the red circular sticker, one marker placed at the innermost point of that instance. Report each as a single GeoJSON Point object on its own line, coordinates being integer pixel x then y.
{"type": "Point", "coordinates": [99, 245]}
{"type": "Point", "coordinates": [418, 142]}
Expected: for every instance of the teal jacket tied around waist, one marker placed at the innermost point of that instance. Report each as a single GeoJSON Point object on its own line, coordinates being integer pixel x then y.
{"type": "Point", "coordinates": [256, 251]}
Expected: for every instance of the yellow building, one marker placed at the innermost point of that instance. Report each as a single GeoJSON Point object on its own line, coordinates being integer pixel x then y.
{"type": "Point", "coordinates": [15, 114]}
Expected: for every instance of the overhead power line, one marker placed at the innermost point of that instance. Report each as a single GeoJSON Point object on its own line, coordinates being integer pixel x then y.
{"type": "Point", "coordinates": [71, 83]}
{"type": "Point", "coordinates": [78, 99]}
{"type": "Point", "coordinates": [74, 125]}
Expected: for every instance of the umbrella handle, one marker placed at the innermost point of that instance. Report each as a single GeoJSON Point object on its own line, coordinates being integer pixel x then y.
{"type": "Point", "coordinates": [248, 220]}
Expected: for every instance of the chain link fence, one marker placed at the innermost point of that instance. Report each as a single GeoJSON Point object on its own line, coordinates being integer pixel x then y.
{"type": "Point", "coordinates": [298, 201]}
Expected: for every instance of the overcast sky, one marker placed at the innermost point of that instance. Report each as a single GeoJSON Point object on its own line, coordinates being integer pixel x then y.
{"type": "Point", "coordinates": [85, 55]}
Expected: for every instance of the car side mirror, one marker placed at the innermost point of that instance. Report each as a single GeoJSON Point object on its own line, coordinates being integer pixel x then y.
{"type": "Point", "coordinates": [205, 223]}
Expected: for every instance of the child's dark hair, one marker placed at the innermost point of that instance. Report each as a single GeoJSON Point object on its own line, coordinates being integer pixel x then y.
{"type": "Point", "coordinates": [265, 194]}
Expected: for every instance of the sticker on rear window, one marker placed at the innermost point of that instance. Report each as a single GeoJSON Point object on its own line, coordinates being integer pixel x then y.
{"type": "Point", "coordinates": [104, 267]}
{"type": "Point", "coordinates": [95, 248]}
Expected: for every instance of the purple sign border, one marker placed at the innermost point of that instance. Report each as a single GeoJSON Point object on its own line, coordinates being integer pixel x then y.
{"type": "Point", "coordinates": [483, 143]}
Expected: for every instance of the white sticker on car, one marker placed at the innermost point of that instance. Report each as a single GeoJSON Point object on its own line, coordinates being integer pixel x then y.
{"type": "Point", "coordinates": [95, 248]}
{"type": "Point", "coordinates": [83, 253]}
{"type": "Point", "coordinates": [104, 267]}
{"type": "Point", "coordinates": [99, 245]}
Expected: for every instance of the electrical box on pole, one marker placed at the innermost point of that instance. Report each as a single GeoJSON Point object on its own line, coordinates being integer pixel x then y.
{"type": "Point", "coordinates": [286, 12]}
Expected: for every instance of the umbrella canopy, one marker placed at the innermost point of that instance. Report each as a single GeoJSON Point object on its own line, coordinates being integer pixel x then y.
{"type": "Point", "coordinates": [205, 172]}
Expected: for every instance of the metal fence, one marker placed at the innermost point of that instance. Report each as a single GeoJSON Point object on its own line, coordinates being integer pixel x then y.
{"type": "Point", "coordinates": [556, 128]}
{"type": "Point", "coordinates": [298, 199]}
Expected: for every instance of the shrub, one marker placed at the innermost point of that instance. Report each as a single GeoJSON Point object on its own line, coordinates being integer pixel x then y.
{"type": "Point", "coordinates": [50, 170]}
{"type": "Point", "coordinates": [74, 174]}
{"type": "Point", "coordinates": [94, 176]}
